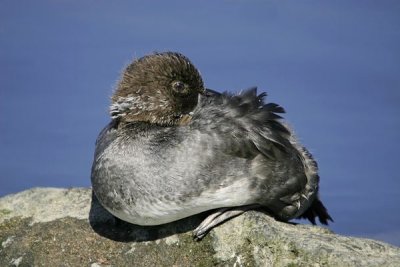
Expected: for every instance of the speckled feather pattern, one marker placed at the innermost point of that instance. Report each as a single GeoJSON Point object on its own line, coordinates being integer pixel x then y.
{"type": "Point", "coordinates": [229, 155]}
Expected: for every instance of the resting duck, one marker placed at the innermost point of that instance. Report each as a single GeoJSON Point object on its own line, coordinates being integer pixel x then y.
{"type": "Point", "coordinates": [174, 149]}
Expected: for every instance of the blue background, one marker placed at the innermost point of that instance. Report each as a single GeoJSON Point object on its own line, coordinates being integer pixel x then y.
{"type": "Point", "coordinates": [334, 66]}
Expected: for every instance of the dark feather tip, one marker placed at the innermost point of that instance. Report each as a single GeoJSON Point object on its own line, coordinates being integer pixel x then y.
{"type": "Point", "coordinates": [274, 108]}
{"type": "Point", "coordinates": [317, 210]}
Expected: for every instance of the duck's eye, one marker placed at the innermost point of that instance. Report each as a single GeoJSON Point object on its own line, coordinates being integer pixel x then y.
{"type": "Point", "coordinates": [178, 86]}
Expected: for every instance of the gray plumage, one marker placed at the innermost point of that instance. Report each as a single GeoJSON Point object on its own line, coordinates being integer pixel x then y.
{"type": "Point", "coordinates": [232, 151]}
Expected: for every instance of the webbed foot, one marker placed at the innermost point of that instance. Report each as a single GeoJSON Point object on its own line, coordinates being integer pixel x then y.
{"type": "Point", "coordinates": [218, 217]}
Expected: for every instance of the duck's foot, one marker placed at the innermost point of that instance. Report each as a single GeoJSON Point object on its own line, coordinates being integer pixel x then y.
{"type": "Point", "coordinates": [218, 217]}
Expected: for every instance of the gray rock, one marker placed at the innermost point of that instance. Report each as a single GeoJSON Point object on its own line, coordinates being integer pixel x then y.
{"type": "Point", "coordinates": [63, 227]}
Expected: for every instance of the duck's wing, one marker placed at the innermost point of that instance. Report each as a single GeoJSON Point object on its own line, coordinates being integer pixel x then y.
{"type": "Point", "coordinates": [248, 125]}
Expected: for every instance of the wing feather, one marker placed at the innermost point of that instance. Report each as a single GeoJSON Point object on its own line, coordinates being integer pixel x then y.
{"type": "Point", "coordinates": [245, 120]}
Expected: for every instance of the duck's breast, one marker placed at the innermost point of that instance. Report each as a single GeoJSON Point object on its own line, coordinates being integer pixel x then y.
{"type": "Point", "coordinates": [164, 174]}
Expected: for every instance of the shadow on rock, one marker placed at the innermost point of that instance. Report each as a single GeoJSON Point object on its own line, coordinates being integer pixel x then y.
{"type": "Point", "coordinates": [108, 226]}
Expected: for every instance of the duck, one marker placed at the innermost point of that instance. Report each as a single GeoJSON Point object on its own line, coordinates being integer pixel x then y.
{"type": "Point", "coordinates": [174, 149]}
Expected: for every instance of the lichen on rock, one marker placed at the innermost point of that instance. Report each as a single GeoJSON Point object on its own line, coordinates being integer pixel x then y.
{"type": "Point", "coordinates": [63, 227]}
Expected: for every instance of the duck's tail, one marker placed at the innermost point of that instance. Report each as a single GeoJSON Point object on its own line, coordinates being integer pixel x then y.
{"type": "Point", "coordinates": [316, 210]}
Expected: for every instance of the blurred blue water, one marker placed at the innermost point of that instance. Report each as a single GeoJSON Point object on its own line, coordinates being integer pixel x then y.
{"type": "Point", "coordinates": [333, 65]}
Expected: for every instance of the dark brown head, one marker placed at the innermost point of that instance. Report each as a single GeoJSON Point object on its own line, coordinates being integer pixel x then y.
{"type": "Point", "coordinates": [158, 88]}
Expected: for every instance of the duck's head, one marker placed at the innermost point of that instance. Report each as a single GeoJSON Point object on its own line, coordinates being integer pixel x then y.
{"type": "Point", "coordinates": [158, 88]}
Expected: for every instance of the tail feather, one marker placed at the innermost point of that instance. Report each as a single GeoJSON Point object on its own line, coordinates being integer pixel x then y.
{"type": "Point", "coordinates": [317, 209]}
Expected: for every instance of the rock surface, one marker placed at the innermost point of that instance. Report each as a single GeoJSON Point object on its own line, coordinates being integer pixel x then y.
{"type": "Point", "coordinates": [64, 227]}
